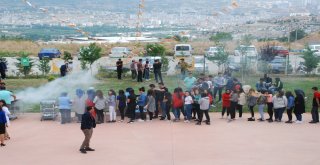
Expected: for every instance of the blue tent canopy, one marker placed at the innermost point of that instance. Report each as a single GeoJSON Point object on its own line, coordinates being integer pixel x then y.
{"type": "Point", "coordinates": [49, 53]}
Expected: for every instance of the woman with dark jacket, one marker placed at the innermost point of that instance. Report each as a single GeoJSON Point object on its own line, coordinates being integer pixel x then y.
{"type": "Point", "coordinates": [3, 125]}
{"type": "Point", "coordinates": [299, 105]}
{"type": "Point", "coordinates": [87, 124]}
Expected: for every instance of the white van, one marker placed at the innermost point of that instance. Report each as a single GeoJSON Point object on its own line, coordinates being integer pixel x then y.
{"type": "Point", "coordinates": [315, 49]}
{"type": "Point", "coordinates": [249, 51]}
{"type": "Point", "coordinates": [183, 50]}
{"type": "Point", "coordinates": [120, 52]}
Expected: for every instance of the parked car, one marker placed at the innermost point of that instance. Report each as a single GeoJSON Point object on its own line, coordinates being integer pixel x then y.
{"type": "Point", "coordinates": [49, 53]}
{"type": "Point", "coordinates": [212, 51]}
{"type": "Point", "coordinates": [278, 65]}
{"type": "Point", "coordinates": [249, 51]}
{"type": "Point", "coordinates": [315, 49]}
{"type": "Point", "coordinates": [200, 64]}
{"type": "Point", "coordinates": [119, 52]}
{"type": "Point", "coordinates": [279, 51]}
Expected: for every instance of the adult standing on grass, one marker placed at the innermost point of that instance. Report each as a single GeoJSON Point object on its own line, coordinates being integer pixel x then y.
{"type": "Point", "coordinates": [140, 70]}
{"type": "Point", "coordinates": [315, 105]}
{"type": "Point", "coordinates": [119, 68]}
{"type": "Point", "coordinates": [299, 105]}
{"type": "Point", "coordinates": [133, 68]}
{"type": "Point", "coordinates": [147, 70]}
{"type": "Point", "coordinates": [157, 70]}
{"type": "Point", "coordinates": [3, 125]}
{"type": "Point", "coordinates": [100, 104]}
{"type": "Point", "coordinates": [183, 67]}
{"type": "Point", "coordinates": [218, 82]}
{"type": "Point", "coordinates": [280, 103]}
{"type": "Point", "coordinates": [87, 125]}
{"type": "Point", "coordinates": [189, 81]}
{"type": "Point", "coordinates": [65, 108]}
{"type": "Point", "coordinates": [3, 69]}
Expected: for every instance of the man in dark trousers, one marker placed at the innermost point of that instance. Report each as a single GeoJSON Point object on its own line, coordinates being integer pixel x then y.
{"type": "Point", "coordinates": [133, 68]}
{"type": "Point", "coordinates": [119, 68]}
{"type": "Point", "coordinates": [87, 125]}
{"type": "Point", "coordinates": [315, 106]}
{"type": "Point", "coordinates": [157, 70]}
{"type": "Point", "coordinates": [140, 70]}
{"type": "Point", "coordinates": [64, 69]}
{"type": "Point", "coordinates": [3, 69]}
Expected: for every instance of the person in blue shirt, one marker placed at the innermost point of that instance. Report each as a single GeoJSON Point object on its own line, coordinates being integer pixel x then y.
{"type": "Point", "coordinates": [189, 81]}
{"type": "Point", "coordinates": [65, 108]}
{"type": "Point", "coordinates": [261, 85]}
{"type": "Point", "coordinates": [142, 102]}
{"type": "Point", "coordinates": [3, 125]}
{"type": "Point", "coordinates": [290, 105]}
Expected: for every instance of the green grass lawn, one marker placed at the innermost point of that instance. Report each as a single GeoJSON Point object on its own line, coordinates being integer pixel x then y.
{"type": "Point", "coordinates": [290, 83]}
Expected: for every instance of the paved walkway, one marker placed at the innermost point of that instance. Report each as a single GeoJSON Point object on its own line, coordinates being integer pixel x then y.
{"type": "Point", "coordinates": [163, 143]}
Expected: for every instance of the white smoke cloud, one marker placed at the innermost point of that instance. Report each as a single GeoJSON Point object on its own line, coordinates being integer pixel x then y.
{"type": "Point", "coordinates": [53, 89]}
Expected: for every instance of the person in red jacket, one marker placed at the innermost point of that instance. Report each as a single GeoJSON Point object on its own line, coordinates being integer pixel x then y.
{"type": "Point", "coordinates": [226, 102]}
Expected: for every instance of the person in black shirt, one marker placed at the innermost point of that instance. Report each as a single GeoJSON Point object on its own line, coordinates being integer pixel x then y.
{"type": "Point", "coordinates": [131, 103]}
{"type": "Point", "coordinates": [166, 104]}
{"type": "Point", "coordinates": [267, 80]}
{"type": "Point", "coordinates": [3, 69]}
{"type": "Point", "coordinates": [159, 95]}
{"type": "Point", "coordinates": [157, 70]}
{"type": "Point", "coordinates": [87, 125]}
{"type": "Point", "coordinates": [140, 70]}
{"type": "Point", "coordinates": [119, 68]}
{"type": "Point", "coordinates": [63, 69]}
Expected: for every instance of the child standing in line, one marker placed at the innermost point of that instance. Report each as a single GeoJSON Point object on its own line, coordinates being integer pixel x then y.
{"type": "Point", "coordinates": [121, 104]}
{"type": "Point", "coordinates": [204, 108]}
{"type": "Point", "coordinates": [112, 105]}
{"type": "Point", "coordinates": [262, 100]}
{"type": "Point", "coordinates": [196, 104]}
{"type": "Point", "coordinates": [252, 101]}
{"type": "Point", "coordinates": [151, 103]}
{"type": "Point", "coordinates": [269, 96]}
{"type": "Point", "coordinates": [226, 103]}
{"type": "Point", "coordinates": [188, 106]}
{"type": "Point", "coordinates": [290, 106]}
{"type": "Point", "coordinates": [233, 104]}
{"type": "Point", "coordinates": [241, 102]}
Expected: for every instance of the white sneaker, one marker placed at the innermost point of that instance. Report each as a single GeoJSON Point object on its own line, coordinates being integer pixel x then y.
{"type": "Point", "coordinates": [140, 120]}
{"type": "Point", "coordinates": [187, 121]}
{"type": "Point", "coordinates": [299, 122]}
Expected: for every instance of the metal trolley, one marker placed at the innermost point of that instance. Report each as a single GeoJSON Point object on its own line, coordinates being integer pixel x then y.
{"type": "Point", "coordinates": [48, 109]}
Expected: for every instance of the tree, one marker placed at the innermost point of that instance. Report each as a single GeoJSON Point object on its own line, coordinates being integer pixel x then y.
{"type": "Point", "coordinates": [310, 60]}
{"type": "Point", "coordinates": [221, 57]}
{"type": "Point", "coordinates": [155, 50]}
{"type": "Point", "coordinates": [24, 68]}
{"type": "Point", "coordinates": [89, 55]}
{"type": "Point", "coordinates": [221, 37]}
{"type": "Point", "coordinates": [245, 42]}
{"type": "Point", "coordinates": [297, 34]}
{"type": "Point", "coordinates": [44, 66]}
{"type": "Point", "coordinates": [67, 56]}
